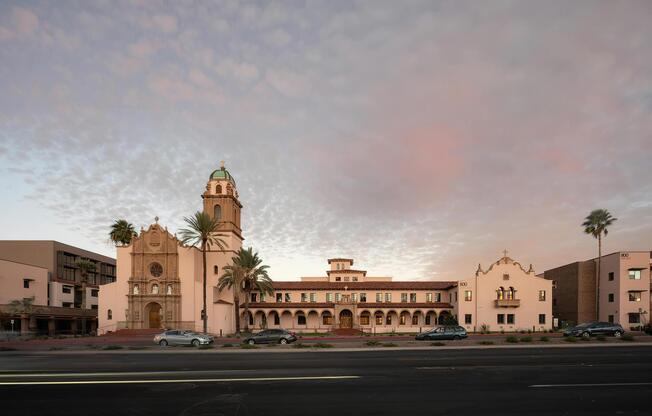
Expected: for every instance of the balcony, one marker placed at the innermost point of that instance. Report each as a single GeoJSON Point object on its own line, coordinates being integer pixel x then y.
{"type": "Point", "coordinates": [507, 303]}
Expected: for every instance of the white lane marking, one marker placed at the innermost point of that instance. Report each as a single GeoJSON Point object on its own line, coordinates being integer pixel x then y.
{"type": "Point", "coordinates": [197, 380]}
{"type": "Point", "coordinates": [126, 373]}
{"type": "Point", "coordinates": [589, 385]}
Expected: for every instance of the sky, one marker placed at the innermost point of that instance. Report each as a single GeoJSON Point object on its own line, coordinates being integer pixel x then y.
{"type": "Point", "coordinates": [420, 138]}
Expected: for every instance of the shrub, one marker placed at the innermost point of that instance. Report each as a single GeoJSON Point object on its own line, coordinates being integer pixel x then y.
{"type": "Point", "coordinates": [627, 337]}
{"type": "Point", "coordinates": [526, 339]}
{"type": "Point", "coordinates": [570, 339]}
{"type": "Point", "coordinates": [437, 344]}
{"type": "Point", "coordinates": [502, 331]}
{"type": "Point", "coordinates": [248, 347]}
{"type": "Point", "coordinates": [322, 345]}
{"type": "Point", "coordinates": [112, 347]}
{"type": "Point", "coordinates": [372, 343]}
{"type": "Point", "coordinates": [511, 339]}
{"type": "Point", "coordinates": [601, 338]}
{"type": "Point", "coordinates": [55, 348]}
{"type": "Point", "coordinates": [227, 345]}
{"type": "Point", "coordinates": [389, 345]}
{"type": "Point", "coordinates": [486, 342]}
{"type": "Point", "coordinates": [484, 329]}
{"type": "Point", "coordinates": [529, 331]}
{"type": "Point", "coordinates": [544, 339]}
{"type": "Point", "coordinates": [300, 345]}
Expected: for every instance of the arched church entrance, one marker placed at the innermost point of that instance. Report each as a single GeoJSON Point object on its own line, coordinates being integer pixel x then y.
{"type": "Point", "coordinates": [154, 315]}
{"type": "Point", "coordinates": [346, 319]}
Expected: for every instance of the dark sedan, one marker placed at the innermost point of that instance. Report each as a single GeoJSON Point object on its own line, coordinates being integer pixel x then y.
{"type": "Point", "coordinates": [271, 336]}
{"type": "Point", "coordinates": [595, 328]}
{"type": "Point", "coordinates": [442, 333]}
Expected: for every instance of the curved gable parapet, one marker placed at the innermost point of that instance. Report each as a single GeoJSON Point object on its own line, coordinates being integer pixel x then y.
{"type": "Point", "coordinates": [506, 261]}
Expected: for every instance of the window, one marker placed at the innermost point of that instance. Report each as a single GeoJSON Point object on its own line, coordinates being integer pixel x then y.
{"type": "Point", "coordinates": [217, 212]}
{"type": "Point", "coordinates": [611, 297]}
{"type": "Point", "coordinates": [66, 289]}
{"type": "Point", "coordinates": [404, 297]}
{"type": "Point", "coordinates": [401, 320]}
{"type": "Point", "coordinates": [467, 295]}
{"type": "Point", "coordinates": [26, 283]}
{"type": "Point", "coordinates": [542, 318]}
{"type": "Point", "coordinates": [455, 296]}
{"type": "Point", "coordinates": [277, 319]}
{"type": "Point", "coordinates": [327, 319]}
{"type": "Point", "coordinates": [313, 297]}
{"type": "Point", "coordinates": [635, 275]}
{"type": "Point", "coordinates": [94, 292]}
{"type": "Point", "coordinates": [388, 297]}
{"type": "Point", "coordinates": [611, 276]}
{"type": "Point", "coordinates": [329, 297]}
{"type": "Point", "coordinates": [346, 278]}
{"type": "Point", "coordinates": [428, 297]}
{"type": "Point", "coordinates": [354, 297]}
{"type": "Point", "coordinates": [301, 319]}
{"type": "Point", "coordinates": [254, 297]}
{"type": "Point", "coordinates": [338, 279]}
{"type": "Point", "coordinates": [415, 320]}
{"type": "Point", "coordinates": [413, 297]}
{"type": "Point", "coordinates": [501, 318]}
{"type": "Point", "coordinates": [354, 279]}
{"type": "Point", "coordinates": [338, 297]}
{"type": "Point", "coordinates": [218, 189]}
{"type": "Point", "coordinates": [510, 318]}
{"type": "Point", "coordinates": [634, 296]}
{"type": "Point", "coordinates": [634, 318]}
{"type": "Point", "coordinates": [262, 297]}
{"type": "Point", "coordinates": [339, 266]}
{"type": "Point", "coordinates": [288, 297]}
{"type": "Point", "coordinates": [468, 318]}
{"type": "Point", "coordinates": [155, 269]}
{"type": "Point", "coordinates": [379, 297]}
{"type": "Point", "coordinates": [109, 314]}
{"type": "Point", "coordinates": [438, 297]}
{"type": "Point", "coordinates": [542, 295]}
{"type": "Point", "coordinates": [304, 297]}
{"type": "Point", "coordinates": [279, 297]}
{"type": "Point", "coordinates": [428, 319]}
{"type": "Point", "coordinates": [379, 318]}
{"type": "Point", "coordinates": [363, 297]}
{"type": "Point", "coordinates": [500, 293]}
{"type": "Point", "coordinates": [216, 270]}
{"type": "Point", "coordinates": [388, 319]}
{"type": "Point", "coordinates": [611, 319]}
{"type": "Point", "coordinates": [364, 319]}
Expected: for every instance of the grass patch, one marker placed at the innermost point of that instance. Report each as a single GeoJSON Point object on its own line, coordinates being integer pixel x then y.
{"type": "Point", "coordinates": [7, 349]}
{"type": "Point", "coordinates": [227, 346]}
{"type": "Point", "coordinates": [300, 345]}
{"type": "Point", "coordinates": [511, 340]}
{"type": "Point", "coordinates": [92, 346]}
{"type": "Point", "coordinates": [322, 345]}
{"type": "Point", "coordinates": [570, 339]}
{"type": "Point", "coordinates": [544, 339]}
{"type": "Point", "coordinates": [389, 345]}
{"type": "Point", "coordinates": [438, 344]}
{"type": "Point", "coordinates": [206, 347]}
{"type": "Point", "coordinates": [249, 347]}
{"type": "Point", "coordinates": [486, 342]}
{"type": "Point", "coordinates": [55, 348]}
{"type": "Point", "coordinates": [112, 347]}
{"type": "Point", "coordinates": [137, 347]}
{"type": "Point", "coordinates": [372, 343]}
{"type": "Point", "coordinates": [601, 338]}
{"type": "Point", "coordinates": [627, 337]}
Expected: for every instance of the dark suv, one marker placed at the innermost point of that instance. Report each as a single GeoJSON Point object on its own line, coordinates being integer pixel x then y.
{"type": "Point", "coordinates": [271, 336]}
{"type": "Point", "coordinates": [595, 328]}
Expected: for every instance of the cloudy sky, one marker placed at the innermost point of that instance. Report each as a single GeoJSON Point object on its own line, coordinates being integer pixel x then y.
{"type": "Point", "coordinates": [418, 137]}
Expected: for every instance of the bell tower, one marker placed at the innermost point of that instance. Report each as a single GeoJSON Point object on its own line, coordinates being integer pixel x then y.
{"type": "Point", "coordinates": [221, 202]}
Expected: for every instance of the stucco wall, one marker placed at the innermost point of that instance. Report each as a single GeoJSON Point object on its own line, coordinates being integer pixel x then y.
{"type": "Point", "coordinates": [11, 282]}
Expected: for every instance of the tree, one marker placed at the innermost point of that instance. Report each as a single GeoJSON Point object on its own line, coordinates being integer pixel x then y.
{"type": "Point", "coordinates": [122, 232]}
{"type": "Point", "coordinates": [24, 306]}
{"type": "Point", "coordinates": [596, 224]}
{"type": "Point", "coordinates": [233, 278]}
{"type": "Point", "coordinates": [85, 266]}
{"type": "Point", "coordinates": [203, 231]}
{"type": "Point", "coordinates": [255, 277]}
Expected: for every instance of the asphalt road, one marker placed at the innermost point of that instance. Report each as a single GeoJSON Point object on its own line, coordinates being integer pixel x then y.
{"type": "Point", "coordinates": [532, 381]}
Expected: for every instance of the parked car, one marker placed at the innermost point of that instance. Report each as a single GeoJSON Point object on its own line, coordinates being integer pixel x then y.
{"type": "Point", "coordinates": [271, 336]}
{"type": "Point", "coordinates": [178, 337]}
{"type": "Point", "coordinates": [595, 328]}
{"type": "Point", "coordinates": [453, 332]}
{"type": "Point", "coordinates": [647, 329]}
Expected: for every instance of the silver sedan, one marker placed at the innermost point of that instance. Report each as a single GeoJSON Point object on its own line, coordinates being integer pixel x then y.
{"type": "Point", "coordinates": [177, 337]}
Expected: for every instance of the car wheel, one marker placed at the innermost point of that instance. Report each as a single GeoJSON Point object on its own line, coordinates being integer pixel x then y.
{"type": "Point", "coordinates": [163, 343]}
{"type": "Point", "coordinates": [283, 341]}
{"type": "Point", "coordinates": [251, 342]}
{"type": "Point", "coordinates": [195, 343]}
{"type": "Point", "coordinates": [617, 334]}
{"type": "Point", "coordinates": [586, 334]}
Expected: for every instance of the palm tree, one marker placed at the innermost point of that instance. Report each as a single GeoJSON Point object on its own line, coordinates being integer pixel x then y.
{"type": "Point", "coordinates": [233, 278]}
{"type": "Point", "coordinates": [85, 266]}
{"type": "Point", "coordinates": [122, 232]}
{"type": "Point", "coordinates": [596, 224]}
{"type": "Point", "coordinates": [255, 277]}
{"type": "Point", "coordinates": [203, 230]}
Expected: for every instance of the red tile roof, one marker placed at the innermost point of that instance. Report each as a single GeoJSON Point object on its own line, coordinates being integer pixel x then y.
{"type": "Point", "coordinates": [352, 286]}
{"type": "Point", "coordinates": [364, 272]}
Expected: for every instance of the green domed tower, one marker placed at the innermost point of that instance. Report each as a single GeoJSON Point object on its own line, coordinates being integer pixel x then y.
{"type": "Point", "coordinates": [221, 201]}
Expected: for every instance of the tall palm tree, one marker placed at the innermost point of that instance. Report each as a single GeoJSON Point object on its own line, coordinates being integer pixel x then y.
{"type": "Point", "coordinates": [233, 278]}
{"type": "Point", "coordinates": [85, 266]}
{"type": "Point", "coordinates": [203, 231]}
{"type": "Point", "coordinates": [596, 224]}
{"type": "Point", "coordinates": [255, 277]}
{"type": "Point", "coordinates": [122, 232]}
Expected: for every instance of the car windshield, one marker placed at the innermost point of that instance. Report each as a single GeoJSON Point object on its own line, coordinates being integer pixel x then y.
{"type": "Point", "coordinates": [583, 325]}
